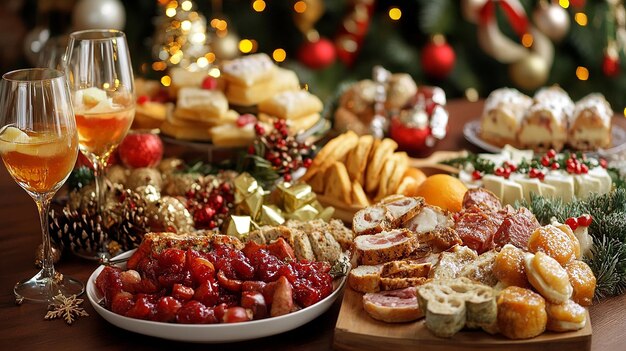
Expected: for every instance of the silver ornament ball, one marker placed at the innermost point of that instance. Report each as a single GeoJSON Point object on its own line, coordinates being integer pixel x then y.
{"type": "Point", "coordinates": [99, 14]}
{"type": "Point", "coordinates": [552, 20]}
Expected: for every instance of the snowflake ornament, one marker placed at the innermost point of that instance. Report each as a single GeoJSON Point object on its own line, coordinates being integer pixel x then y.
{"type": "Point", "coordinates": [67, 308]}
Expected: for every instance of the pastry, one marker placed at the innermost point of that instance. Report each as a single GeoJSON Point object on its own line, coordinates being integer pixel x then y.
{"type": "Point", "coordinates": [583, 282]}
{"type": "Point", "coordinates": [184, 78]}
{"type": "Point", "coordinates": [291, 105]}
{"type": "Point", "coordinates": [244, 95]}
{"type": "Point", "coordinates": [481, 269]}
{"type": "Point", "coordinates": [401, 88]}
{"type": "Point", "coordinates": [248, 70]}
{"type": "Point", "coordinates": [561, 245]}
{"type": "Point", "coordinates": [231, 135]}
{"type": "Point", "coordinates": [521, 313]}
{"type": "Point", "coordinates": [201, 105]}
{"type": "Point", "coordinates": [451, 262]}
{"type": "Point", "coordinates": [510, 267]}
{"type": "Point", "coordinates": [365, 279]}
{"type": "Point", "coordinates": [393, 306]}
{"type": "Point", "coordinates": [590, 123]}
{"type": "Point", "coordinates": [379, 156]}
{"type": "Point", "coordinates": [385, 246]}
{"type": "Point", "coordinates": [545, 124]}
{"type": "Point", "coordinates": [149, 115]}
{"type": "Point", "coordinates": [356, 160]}
{"type": "Point", "coordinates": [567, 316]}
{"type": "Point", "coordinates": [547, 276]}
{"type": "Point", "coordinates": [502, 116]}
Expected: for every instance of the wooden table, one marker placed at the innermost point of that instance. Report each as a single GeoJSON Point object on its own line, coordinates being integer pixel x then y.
{"type": "Point", "coordinates": [23, 327]}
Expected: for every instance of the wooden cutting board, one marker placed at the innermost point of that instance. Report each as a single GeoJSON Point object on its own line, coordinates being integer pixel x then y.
{"type": "Point", "coordinates": [355, 330]}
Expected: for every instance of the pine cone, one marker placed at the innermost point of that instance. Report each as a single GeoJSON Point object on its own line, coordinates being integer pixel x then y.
{"type": "Point", "coordinates": [133, 222]}
{"type": "Point", "coordinates": [81, 232]}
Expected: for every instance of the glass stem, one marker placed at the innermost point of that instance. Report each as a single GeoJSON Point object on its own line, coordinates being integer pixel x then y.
{"type": "Point", "coordinates": [98, 174]}
{"type": "Point", "coordinates": [43, 206]}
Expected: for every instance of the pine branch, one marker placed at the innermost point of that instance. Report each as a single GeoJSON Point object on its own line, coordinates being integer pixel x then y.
{"type": "Point", "coordinates": [436, 17]}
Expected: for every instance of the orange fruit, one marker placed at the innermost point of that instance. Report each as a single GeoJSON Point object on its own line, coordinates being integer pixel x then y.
{"type": "Point", "coordinates": [444, 191]}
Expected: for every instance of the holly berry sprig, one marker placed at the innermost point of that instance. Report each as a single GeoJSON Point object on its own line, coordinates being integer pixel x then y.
{"type": "Point", "coordinates": [571, 162]}
{"type": "Point", "coordinates": [209, 202]}
{"type": "Point", "coordinates": [282, 151]}
{"type": "Point", "coordinates": [584, 220]}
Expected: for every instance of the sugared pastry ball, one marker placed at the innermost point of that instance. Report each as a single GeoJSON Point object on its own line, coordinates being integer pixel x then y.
{"type": "Point", "coordinates": [572, 237]}
{"type": "Point", "coordinates": [509, 267]}
{"type": "Point", "coordinates": [566, 316]}
{"type": "Point", "coordinates": [400, 90]}
{"type": "Point", "coordinates": [521, 313]}
{"type": "Point", "coordinates": [547, 276]}
{"type": "Point", "coordinates": [555, 243]}
{"type": "Point", "coordinates": [583, 282]}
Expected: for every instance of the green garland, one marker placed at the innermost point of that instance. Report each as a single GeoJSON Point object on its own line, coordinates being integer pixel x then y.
{"type": "Point", "coordinates": [608, 230]}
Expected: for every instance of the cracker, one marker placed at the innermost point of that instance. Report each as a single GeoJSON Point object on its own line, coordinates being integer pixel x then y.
{"type": "Point", "coordinates": [398, 172]}
{"type": "Point", "coordinates": [377, 160]}
{"type": "Point", "coordinates": [358, 195]}
{"type": "Point", "coordinates": [356, 161]}
{"type": "Point", "coordinates": [338, 184]}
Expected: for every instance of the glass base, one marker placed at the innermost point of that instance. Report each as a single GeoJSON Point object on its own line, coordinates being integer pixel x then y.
{"type": "Point", "coordinates": [40, 289]}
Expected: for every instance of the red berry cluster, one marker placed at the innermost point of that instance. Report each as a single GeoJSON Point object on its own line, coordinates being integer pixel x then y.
{"type": "Point", "coordinates": [536, 173]}
{"type": "Point", "coordinates": [282, 150]}
{"type": "Point", "coordinates": [576, 166]}
{"type": "Point", "coordinates": [549, 160]}
{"type": "Point", "coordinates": [582, 221]}
{"type": "Point", "coordinates": [506, 170]}
{"type": "Point", "coordinates": [210, 203]}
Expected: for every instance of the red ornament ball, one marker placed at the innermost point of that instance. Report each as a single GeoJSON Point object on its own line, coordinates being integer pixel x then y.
{"type": "Point", "coordinates": [438, 59]}
{"type": "Point", "coordinates": [411, 139]}
{"type": "Point", "coordinates": [209, 83]}
{"type": "Point", "coordinates": [610, 66]}
{"type": "Point", "coordinates": [317, 54]}
{"type": "Point", "coordinates": [141, 150]}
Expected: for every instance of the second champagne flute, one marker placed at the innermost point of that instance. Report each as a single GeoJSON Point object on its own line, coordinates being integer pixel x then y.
{"type": "Point", "coordinates": [99, 72]}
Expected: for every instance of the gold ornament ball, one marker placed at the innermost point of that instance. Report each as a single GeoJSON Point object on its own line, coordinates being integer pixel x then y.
{"type": "Point", "coordinates": [305, 21]}
{"type": "Point", "coordinates": [530, 72]}
{"type": "Point", "coordinates": [226, 48]}
{"type": "Point", "coordinates": [552, 20]}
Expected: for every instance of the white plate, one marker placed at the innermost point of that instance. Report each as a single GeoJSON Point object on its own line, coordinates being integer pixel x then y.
{"type": "Point", "coordinates": [209, 333]}
{"type": "Point", "coordinates": [471, 131]}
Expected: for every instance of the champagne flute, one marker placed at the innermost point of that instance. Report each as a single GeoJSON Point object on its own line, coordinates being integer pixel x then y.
{"type": "Point", "coordinates": [39, 146]}
{"type": "Point", "coordinates": [99, 72]}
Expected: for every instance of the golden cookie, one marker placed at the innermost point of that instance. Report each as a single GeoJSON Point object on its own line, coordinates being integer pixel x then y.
{"type": "Point", "coordinates": [377, 161]}
{"type": "Point", "coordinates": [509, 267]}
{"type": "Point", "coordinates": [521, 313]}
{"type": "Point", "coordinates": [554, 242]}
{"type": "Point", "coordinates": [583, 282]}
{"type": "Point", "coordinates": [356, 161]}
{"type": "Point", "coordinates": [566, 316]}
{"type": "Point", "coordinates": [547, 276]}
{"type": "Point", "coordinates": [340, 151]}
{"type": "Point", "coordinates": [321, 155]}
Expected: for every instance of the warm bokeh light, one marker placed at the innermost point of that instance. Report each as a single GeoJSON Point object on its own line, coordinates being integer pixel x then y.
{"type": "Point", "coordinates": [564, 3]}
{"type": "Point", "coordinates": [170, 12]}
{"type": "Point", "coordinates": [581, 19]}
{"type": "Point", "coordinates": [159, 66]}
{"type": "Point", "coordinates": [245, 46]}
{"type": "Point", "coordinates": [279, 55]}
{"type": "Point", "coordinates": [166, 81]}
{"type": "Point", "coordinates": [202, 62]}
{"type": "Point", "coordinates": [186, 5]}
{"type": "Point", "coordinates": [258, 5]}
{"type": "Point", "coordinates": [210, 57]}
{"type": "Point", "coordinates": [582, 73]}
{"type": "Point", "coordinates": [215, 72]}
{"type": "Point", "coordinates": [527, 40]}
{"type": "Point", "coordinates": [185, 25]}
{"type": "Point", "coordinates": [395, 13]}
{"type": "Point", "coordinates": [299, 6]}
{"type": "Point", "coordinates": [471, 94]}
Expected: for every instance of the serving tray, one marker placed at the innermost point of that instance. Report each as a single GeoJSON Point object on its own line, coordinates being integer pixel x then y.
{"type": "Point", "coordinates": [356, 330]}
